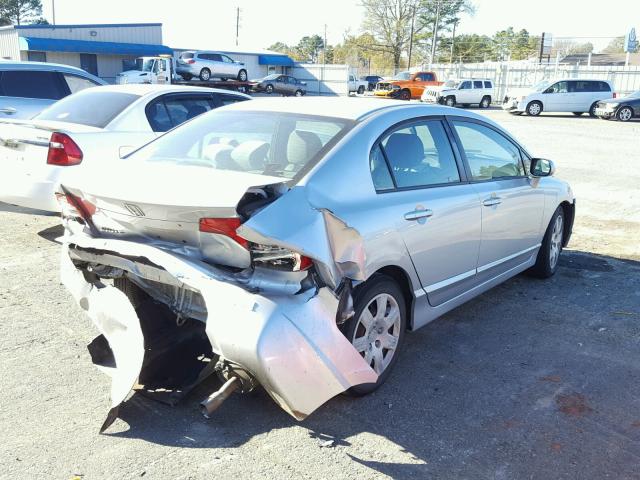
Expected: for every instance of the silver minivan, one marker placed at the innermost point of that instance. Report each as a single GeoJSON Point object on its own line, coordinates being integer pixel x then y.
{"type": "Point", "coordinates": [27, 88]}
{"type": "Point", "coordinates": [207, 65]}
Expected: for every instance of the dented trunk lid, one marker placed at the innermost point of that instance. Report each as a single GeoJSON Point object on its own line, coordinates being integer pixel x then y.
{"type": "Point", "coordinates": [163, 204]}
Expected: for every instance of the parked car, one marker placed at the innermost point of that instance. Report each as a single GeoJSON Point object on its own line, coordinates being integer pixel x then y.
{"type": "Point", "coordinates": [299, 241]}
{"type": "Point", "coordinates": [372, 81]}
{"type": "Point", "coordinates": [283, 84]}
{"type": "Point", "coordinates": [475, 91]}
{"type": "Point", "coordinates": [207, 65]}
{"type": "Point", "coordinates": [406, 85]}
{"type": "Point", "coordinates": [623, 108]}
{"type": "Point", "coordinates": [356, 85]}
{"type": "Point", "coordinates": [26, 88]}
{"type": "Point", "coordinates": [95, 124]}
{"type": "Point", "coordinates": [565, 95]}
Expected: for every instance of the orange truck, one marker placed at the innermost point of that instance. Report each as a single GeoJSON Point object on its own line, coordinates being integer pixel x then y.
{"type": "Point", "coordinates": [406, 85]}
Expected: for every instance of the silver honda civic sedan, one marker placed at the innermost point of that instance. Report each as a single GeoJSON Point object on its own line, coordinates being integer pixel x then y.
{"type": "Point", "coordinates": [291, 244]}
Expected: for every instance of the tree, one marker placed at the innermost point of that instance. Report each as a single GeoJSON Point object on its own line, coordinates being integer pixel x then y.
{"type": "Point", "coordinates": [511, 45]}
{"type": "Point", "coordinates": [20, 11]}
{"type": "Point", "coordinates": [615, 46]}
{"type": "Point", "coordinates": [309, 47]}
{"type": "Point", "coordinates": [570, 47]}
{"type": "Point", "coordinates": [469, 48]}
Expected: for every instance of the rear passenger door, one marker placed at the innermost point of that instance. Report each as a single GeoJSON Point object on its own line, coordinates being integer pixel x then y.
{"type": "Point", "coordinates": [24, 93]}
{"type": "Point", "coordinates": [512, 204]}
{"type": "Point", "coordinates": [434, 210]}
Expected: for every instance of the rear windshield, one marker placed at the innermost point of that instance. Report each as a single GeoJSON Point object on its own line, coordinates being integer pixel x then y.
{"type": "Point", "coordinates": [187, 55]}
{"type": "Point", "coordinates": [89, 107]}
{"type": "Point", "coordinates": [267, 143]}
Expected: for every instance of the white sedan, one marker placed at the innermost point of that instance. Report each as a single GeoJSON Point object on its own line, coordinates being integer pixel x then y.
{"type": "Point", "coordinates": [92, 125]}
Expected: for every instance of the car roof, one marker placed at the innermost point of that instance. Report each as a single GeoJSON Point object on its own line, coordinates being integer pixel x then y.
{"type": "Point", "coordinates": [348, 108]}
{"type": "Point", "coordinates": [144, 89]}
{"type": "Point", "coordinates": [45, 67]}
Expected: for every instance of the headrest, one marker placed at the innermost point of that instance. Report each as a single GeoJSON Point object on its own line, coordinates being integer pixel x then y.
{"type": "Point", "coordinates": [302, 146]}
{"type": "Point", "coordinates": [251, 155]}
{"type": "Point", "coordinates": [404, 150]}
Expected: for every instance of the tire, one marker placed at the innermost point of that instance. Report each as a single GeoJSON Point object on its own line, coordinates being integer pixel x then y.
{"type": "Point", "coordinates": [360, 90]}
{"type": "Point", "coordinates": [516, 113]}
{"type": "Point", "coordinates": [577, 114]}
{"type": "Point", "coordinates": [592, 109]}
{"type": "Point", "coordinates": [534, 108]}
{"type": "Point", "coordinates": [450, 101]}
{"type": "Point", "coordinates": [485, 102]}
{"type": "Point", "coordinates": [405, 95]}
{"type": "Point", "coordinates": [205, 75]}
{"type": "Point", "coordinates": [551, 248]}
{"type": "Point", "coordinates": [186, 76]}
{"type": "Point", "coordinates": [269, 89]}
{"type": "Point", "coordinates": [365, 297]}
{"type": "Point", "coordinates": [299, 93]}
{"type": "Point", "coordinates": [242, 75]}
{"type": "Point", "coordinates": [624, 114]}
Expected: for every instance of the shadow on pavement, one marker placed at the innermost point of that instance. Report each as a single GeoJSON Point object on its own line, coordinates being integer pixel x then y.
{"type": "Point", "coordinates": [535, 379]}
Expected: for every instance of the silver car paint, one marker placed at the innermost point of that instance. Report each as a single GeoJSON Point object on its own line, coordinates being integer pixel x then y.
{"type": "Point", "coordinates": [352, 232]}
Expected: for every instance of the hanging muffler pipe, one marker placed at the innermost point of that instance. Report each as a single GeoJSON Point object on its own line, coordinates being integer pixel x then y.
{"type": "Point", "coordinates": [213, 401]}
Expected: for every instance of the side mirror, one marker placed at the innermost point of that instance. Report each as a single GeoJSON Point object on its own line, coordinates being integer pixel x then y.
{"type": "Point", "coordinates": [541, 167]}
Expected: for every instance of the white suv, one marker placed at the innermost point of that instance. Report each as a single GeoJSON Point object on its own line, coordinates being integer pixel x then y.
{"type": "Point", "coordinates": [574, 95]}
{"type": "Point", "coordinates": [474, 91]}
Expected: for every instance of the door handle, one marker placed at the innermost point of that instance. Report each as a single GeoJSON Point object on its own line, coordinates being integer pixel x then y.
{"type": "Point", "coordinates": [491, 201]}
{"type": "Point", "coordinates": [8, 110]}
{"type": "Point", "coordinates": [418, 214]}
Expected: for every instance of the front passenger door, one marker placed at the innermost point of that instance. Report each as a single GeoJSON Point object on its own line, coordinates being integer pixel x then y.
{"type": "Point", "coordinates": [512, 204]}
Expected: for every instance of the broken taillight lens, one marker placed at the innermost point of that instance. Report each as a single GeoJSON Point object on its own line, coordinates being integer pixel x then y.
{"type": "Point", "coordinates": [63, 151]}
{"type": "Point", "coordinates": [269, 256]}
{"type": "Point", "coordinates": [74, 206]}
{"type": "Point", "coordinates": [223, 226]}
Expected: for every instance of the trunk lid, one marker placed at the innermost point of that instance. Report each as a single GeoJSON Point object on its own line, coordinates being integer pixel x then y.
{"type": "Point", "coordinates": [163, 203]}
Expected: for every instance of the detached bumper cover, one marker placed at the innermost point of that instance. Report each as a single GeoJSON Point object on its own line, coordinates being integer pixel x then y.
{"type": "Point", "coordinates": [289, 343]}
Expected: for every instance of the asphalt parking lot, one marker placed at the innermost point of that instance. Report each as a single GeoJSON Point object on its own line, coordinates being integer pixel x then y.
{"type": "Point", "coordinates": [532, 380]}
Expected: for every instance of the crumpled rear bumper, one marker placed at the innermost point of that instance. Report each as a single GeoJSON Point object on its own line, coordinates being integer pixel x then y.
{"type": "Point", "coordinates": [289, 343]}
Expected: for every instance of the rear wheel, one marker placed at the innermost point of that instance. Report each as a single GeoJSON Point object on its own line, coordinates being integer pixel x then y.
{"type": "Point", "coordinates": [485, 102]}
{"type": "Point", "coordinates": [205, 74]}
{"type": "Point", "coordinates": [360, 89]}
{"type": "Point", "coordinates": [549, 253]}
{"type": "Point", "coordinates": [299, 93]}
{"type": "Point", "coordinates": [534, 108]}
{"type": "Point", "coordinates": [269, 88]}
{"type": "Point", "coordinates": [242, 75]}
{"type": "Point", "coordinates": [377, 328]}
{"type": "Point", "coordinates": [624, 114]}
{"type": "Point", "coordinates": [405, 95]}
{"type": "Point", "coordinates": [450, 101]}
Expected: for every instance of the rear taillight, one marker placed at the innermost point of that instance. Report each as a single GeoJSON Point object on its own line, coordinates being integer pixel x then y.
{"type": "Point", "coordinates": [63, 151]}
{"type": "Point", "coordinates": [223, 226]}
{"type": "Point", "coordinates": [190, 61]}
{"type": "Point", "coordinates": [269, 256]}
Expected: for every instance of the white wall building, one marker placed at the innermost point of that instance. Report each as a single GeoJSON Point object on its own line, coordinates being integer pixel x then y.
{"type": "Point", "coordinates": [101, 49]}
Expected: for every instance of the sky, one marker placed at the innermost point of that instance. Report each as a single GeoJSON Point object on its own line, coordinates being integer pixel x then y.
{"type": "Point", "coordinates": [211, 24]}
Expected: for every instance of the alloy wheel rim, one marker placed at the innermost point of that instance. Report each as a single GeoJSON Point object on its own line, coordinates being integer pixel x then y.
{"type": "Point", "coordinates": [625, 114]}
{"type": "Point", "coordinates": [534, 109]}
{"type": "Point", "coordinates": [205, 75]}
{"type": "Point", "coordinates": [377, 332]}
{"type": "Point", "coordinates": [556, 241]}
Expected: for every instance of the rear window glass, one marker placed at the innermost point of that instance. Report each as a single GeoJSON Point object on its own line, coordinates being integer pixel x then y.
{"type": "Point", "coordinates": [187, 55]}
{"type": "Point", "coordinates": [32, 84]}
{"type": "Point", "coordinates": [265, 143]}
{"type": "Point", "coordinates": [487, 85]}
{"type": "Point", "coordinates": [89, 107]}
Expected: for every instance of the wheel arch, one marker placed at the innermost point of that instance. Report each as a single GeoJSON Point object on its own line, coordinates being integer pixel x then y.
{"type": "Point", "coordinates": [402, 278]}
{"type": "Point", "coordinates": [569, 210]}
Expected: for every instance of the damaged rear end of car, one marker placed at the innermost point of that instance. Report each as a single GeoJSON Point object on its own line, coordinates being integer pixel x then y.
{"type": "Point", "coordinates": [207, 258]}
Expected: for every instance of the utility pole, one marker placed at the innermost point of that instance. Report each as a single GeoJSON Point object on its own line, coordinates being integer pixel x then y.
{"type": "Point", "coordinates": [453, 40]}
{"type": "Point", "coordinates": [324, 46]}
{"type": "Point", "coordinates": [237, 24]}
{"type": "Point", "coordinates": [53, 11]}
{"type": "Point", "coordinates": [413, 21]}
{"type": "Point", "coordinates": [434, 38]}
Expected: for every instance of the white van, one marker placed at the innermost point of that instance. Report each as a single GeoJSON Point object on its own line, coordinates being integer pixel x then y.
{"type": "Point", "coordinates": [576, 95]}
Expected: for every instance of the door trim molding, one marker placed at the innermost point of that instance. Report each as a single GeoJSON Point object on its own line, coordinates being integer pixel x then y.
{"type": "Point", "coordinates": [494, 264]}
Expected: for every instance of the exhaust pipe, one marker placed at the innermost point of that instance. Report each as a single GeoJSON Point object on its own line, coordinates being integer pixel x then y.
{"type": "Point", "coordinates": [213, 401]}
